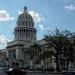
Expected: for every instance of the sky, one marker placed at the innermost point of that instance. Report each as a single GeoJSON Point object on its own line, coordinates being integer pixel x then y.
{"type": "Point", "coordinates": [47, 14]}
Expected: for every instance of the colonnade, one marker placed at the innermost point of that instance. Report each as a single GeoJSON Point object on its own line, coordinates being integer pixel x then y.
{"type": "Point", "coordinates": [23, 33]}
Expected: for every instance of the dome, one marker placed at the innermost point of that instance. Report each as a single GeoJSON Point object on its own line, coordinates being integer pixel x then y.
{"type": "Point", "coordinates": [25, 16]}
{"type": "Point", "coordinates": [25, 27]}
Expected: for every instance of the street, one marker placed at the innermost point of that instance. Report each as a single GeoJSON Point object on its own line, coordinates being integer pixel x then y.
{"type": "Point", "coordinates": [30, 73]}
{"type": "Point", "coordinates": [43, 73]}
{"type": "Point", "coordinates": [2, 72]}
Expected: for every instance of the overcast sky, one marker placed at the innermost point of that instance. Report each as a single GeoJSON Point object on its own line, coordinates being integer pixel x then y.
{"type": "Point", "coordinates": [47, 15]}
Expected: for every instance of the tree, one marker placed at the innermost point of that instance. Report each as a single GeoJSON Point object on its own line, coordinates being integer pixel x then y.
{"type": "Point", "coordinates": [60, 41]}
{"type": "Point", "coordinates": [35, 51]}
{"type": "Point", "coordinates": [53, 40]}
{"type": "Point", "coordinates": [48, 53]}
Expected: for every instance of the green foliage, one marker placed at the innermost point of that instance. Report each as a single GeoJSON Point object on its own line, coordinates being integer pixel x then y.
{"type": "Point", "coordinates": [64, 44]}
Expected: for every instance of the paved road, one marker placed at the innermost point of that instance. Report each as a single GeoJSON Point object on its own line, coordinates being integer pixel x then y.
{"type": "Point", "coordinates": [43, 73]}
{"type": "Point", "coordinates": [29, 73]}
{"type": "Point", "coordinates": [1, 71]}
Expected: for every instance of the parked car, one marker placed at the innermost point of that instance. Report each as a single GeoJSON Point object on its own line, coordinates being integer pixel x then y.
{"type": "Point", "coordinates": [8, 70]}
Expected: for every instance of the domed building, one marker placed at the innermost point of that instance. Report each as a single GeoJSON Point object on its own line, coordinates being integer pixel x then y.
{"type": "Point", "coordinates": [25, 27]}
{"type": "Point", "coordinates": [19, 53]}
{"type": "Point", "coordinates": [25, 35]}
{"type": "Point", "coordinates": [24, 38]}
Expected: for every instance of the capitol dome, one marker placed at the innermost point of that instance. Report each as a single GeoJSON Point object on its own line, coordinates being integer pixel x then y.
{"type": "Point", "coordinates": [25, 17]}
{"type": "Point", "coordinates": [25, 27]}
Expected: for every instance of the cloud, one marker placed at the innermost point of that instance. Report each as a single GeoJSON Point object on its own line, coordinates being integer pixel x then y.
{"type": "Point", "coordinates": [70, 7]}
{"type": "Point", "coordinates": [41, 27]}
{"type": "Point", "coordinates": [3, 40]}
{"type": "Point", "coordinates": [5, 16]}
{"type": "Point", "coordinates": [37, 17]}
{"type": "Point", "coordinates": [20, 11]}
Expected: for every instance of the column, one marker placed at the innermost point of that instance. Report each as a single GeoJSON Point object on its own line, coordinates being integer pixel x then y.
{"type": "Point", "coordinates": [18, 34]}
{"type": "Point", "coordinates": [26, 33]}
{"type": "Point", "coordinates": [29, 33]}
{"type": "Point", "coordinates": [23, 33]}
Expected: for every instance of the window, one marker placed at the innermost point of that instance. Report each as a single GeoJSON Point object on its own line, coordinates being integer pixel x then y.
{"type": "Point", "coordinates": [23, 16]}
{"type": "Point", "coordinates": [22, 23]}
{"type": "Point", "coordinates": [14, 54]}
{"type": "Point", "coordinates": [32, 25]}
{"type": "Point", "coordinates": [20, 17]}
{"type": "Point", "coordinates": [9, 54]}
{"type": "Point", "coordinates": [26, 16]}
{"type": "Point", "coordinates": [26, 23]}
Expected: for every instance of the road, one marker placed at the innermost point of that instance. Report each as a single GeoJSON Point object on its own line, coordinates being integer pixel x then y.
{"type": "Point", "coordinates": [2, 72]}
{"type": "Point", "coordinates": [29, 73]}
{"type": "Point", "coordinates": [44, 73]}
{"type": "Point", "coordinates": [37, 74]}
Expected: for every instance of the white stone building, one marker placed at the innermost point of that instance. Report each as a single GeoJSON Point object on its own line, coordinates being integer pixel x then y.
{"type": "Point", "coordinates": [25, 35]}
{"type": "Point", "coordinates": [16, 54]}
{"type": "Point", "coordinates": [3, 60]}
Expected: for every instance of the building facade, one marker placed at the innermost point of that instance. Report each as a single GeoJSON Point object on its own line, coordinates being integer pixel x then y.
{"type": "Point", "coordinates": [24, 36]}
{"type": "Point", "coordinates": [17, 51]}
{"type": "Point", "coordinates": [3, 60]}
